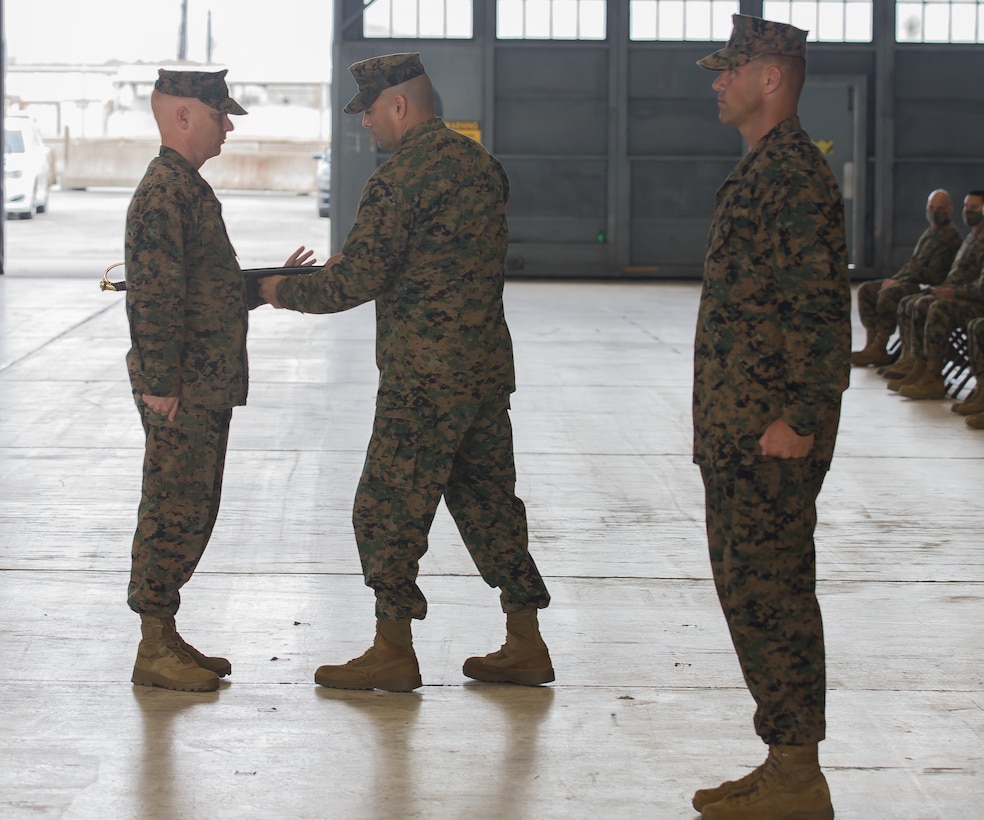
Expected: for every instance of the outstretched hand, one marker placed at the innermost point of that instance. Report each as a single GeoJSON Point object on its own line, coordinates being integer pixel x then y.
{"type": "Point", "coordinates": [268, 284]}
{"type": "Point", "coordinates": [302, 257]}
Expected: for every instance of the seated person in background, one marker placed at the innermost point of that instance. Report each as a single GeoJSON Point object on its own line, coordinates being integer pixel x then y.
{"type": "Point", "coordinates": [966, 268]}
{"type": "Point", "coordinates": [952, 308]}
{"type": "Point", "coordinates": [973, 407]}
{"type": "Point", "coordinates": [878, 299]}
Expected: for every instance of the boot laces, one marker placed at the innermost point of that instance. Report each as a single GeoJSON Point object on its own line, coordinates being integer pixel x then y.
{"type": "Point", "coordinates": [175, 643]}
{"type": "Point", "coordinates": [742, 783]}
{"type": "Point", "coordinates": [177, 647]}
{"type": "Point", "coordinates": [753, 788]}
{"type": "Point", "coordinates": [373, 655]}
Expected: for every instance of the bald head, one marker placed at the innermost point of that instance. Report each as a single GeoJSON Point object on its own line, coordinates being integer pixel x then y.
{"type": "Point", "coordinates": [939, 199]}
{"type": "Point", "coordinates": [189, 126]}
{"type": "Point", "coordinates": [792, 71]}
{"type": "Point", "coordinates": [398, 109]}
{"type": "Point", "coordinates": [165, 107]}
{"type": "Point", "coordinates": [939, 207]}
{"type": "Point", "coordinates": [419, 94]}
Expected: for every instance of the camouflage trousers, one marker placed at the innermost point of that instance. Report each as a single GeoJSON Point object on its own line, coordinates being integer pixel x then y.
{"type": "Point", "coordinates": [182, 484]}
{"type": "Point", "coordinates": [945, 316]}
{"type": "Point", "coordinates": [760, 525]}
{"type": "Point", "coordinates": [878, 308]}
{"type": "Point", "coordinates": [912, 313]}
{"type": "Point", "coordinates": [465, 454]}
{"type": "Point", "coordinates": [975, 345]}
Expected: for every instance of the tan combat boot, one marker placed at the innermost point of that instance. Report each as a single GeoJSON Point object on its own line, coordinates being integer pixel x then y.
{"type": "Point", "coordinates": [913, 375]}
{"type": "Point", "coordinates": [976, 421]}
{"type": "Point", "coordinates": [930, 385]}
{"type": "Point", "coordinates": [522, 659]}
{"type": "Point", "coordinates": [974, 403]}
{"type": "Point", "coordinates": [162, 662]}
{"type": "Point", "coordinates": [790, 785]}
{"type": "Point", "coordinates": [873, 352]}
{"type": "Point", "coordinates": [704, 797]}
{"type": "Point", "coordinates": [901, 367]}
{"type": "Point", "coordinates": [390, 663]}
{"type": "Point", "coordinates": [220, 666]}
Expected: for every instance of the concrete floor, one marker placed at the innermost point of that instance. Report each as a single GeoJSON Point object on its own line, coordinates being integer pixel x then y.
{"type": "Point", "coordinates": [648, 704]}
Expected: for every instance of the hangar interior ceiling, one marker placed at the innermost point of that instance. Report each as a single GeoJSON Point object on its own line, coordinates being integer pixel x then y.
{"type": "Point", "coordinates": [614, 150]}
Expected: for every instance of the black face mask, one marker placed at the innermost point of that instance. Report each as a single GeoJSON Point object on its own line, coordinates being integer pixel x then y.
{"type": "Point", "coordinates": [972, 218]}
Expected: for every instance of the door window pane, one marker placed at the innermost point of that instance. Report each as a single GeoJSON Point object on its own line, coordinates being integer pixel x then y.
{"type": "Point", "coordinates": [436, 19]}
{"type": "Point", "coordinates": [551, 19]}
{"type": "Point", "coordinates": [701, 20]}
{"type": "Point", "coordinates": [939, 21]}
{"type": "Point", "coordinates": [827, 21]}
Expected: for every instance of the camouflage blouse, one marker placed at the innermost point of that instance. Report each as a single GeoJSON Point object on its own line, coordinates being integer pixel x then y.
{"type": "Point", "coordinates": [185, 296]}
{"type": "Point", "coordinates": [967, 266]}
{"type": "Point", "coordinates": [932, 257]}
{"type": "Point", "coordinates": [773, 331]}
{"type": "Point", "coordinates": [429, 246]}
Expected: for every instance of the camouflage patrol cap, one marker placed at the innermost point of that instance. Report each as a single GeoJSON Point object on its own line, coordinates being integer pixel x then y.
{"type": "Point", "coordinates": [208, 86]}
{"type": "Point", "coordinates": [379, 73]}
{"type": "Point", "coordinates": [752, 37]}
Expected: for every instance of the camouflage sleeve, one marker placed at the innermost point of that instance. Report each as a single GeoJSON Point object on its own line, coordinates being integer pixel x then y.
{"type": "Point", "coordinates": [931, 260]}
{"type": "Point", "coordinates": [905, 272]}
{"type": "Point", "coordinates": [155, 295]}
{"type": "Point", "coordinates": [974, 291]}
{"type": "Point", "coordinates": [967, 290]}
{"type": "Point", "coordinates": [943, 255]}
{"type": "Point", "coordinates": [972, 262]}
{"type": "Point", "coordinates": [374, 252]}
{"type": "Point", "coordinates": [506, 191]}
{"type": "Point", "coordinates": [813, 299]}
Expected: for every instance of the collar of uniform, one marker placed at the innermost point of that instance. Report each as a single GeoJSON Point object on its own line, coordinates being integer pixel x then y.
{"type": "Point", "coordinates": [421, 129]}
{"type": "Point", "coordinates": [773, 135]}
{"type": "Point", "coordinates": [175, 158]}
{"type": "Point", "coordinates": [779, 130]}
{"type": "Point", "coordinates": [741, 170]}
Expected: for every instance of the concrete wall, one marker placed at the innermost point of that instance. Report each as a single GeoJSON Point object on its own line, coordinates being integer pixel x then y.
{"type": "Point", "coordinates": [247, 165]}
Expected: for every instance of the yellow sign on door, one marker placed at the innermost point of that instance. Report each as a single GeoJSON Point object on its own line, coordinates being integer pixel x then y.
{"type": "Point", "coordinates": [470, 128]}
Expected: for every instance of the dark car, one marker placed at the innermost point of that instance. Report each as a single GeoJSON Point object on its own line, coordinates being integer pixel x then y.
{"type": "Point", "coordinates": [323, 176]}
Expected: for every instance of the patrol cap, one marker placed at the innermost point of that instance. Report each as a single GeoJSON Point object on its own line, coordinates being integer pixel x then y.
{"type": "Point", "coordinates": [377, 74]}
{"type": "Point", "coordinates": [208, 86]}
{"type": "Point", "coordinates": [752, 37]}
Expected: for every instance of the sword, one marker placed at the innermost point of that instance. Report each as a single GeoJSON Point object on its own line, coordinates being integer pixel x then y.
{"type": "Point", "coordinates": [248, 274]}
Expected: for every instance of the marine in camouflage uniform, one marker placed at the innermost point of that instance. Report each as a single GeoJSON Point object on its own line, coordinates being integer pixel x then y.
{"type": "Point", "coordinates": [953, 309]}
{"type": "Point", "coordinates": [878, 300]}
{"type": "Point", "coordinates": [913, 310]}
{"type": "Point", "coordinates": [429, 246]}
{"type": "Point", "coordinates": [187, 306]}
{"type": "Point", "coordinates": [973, 406]}
{"type": "Point", "coordinates": [771, 357]}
